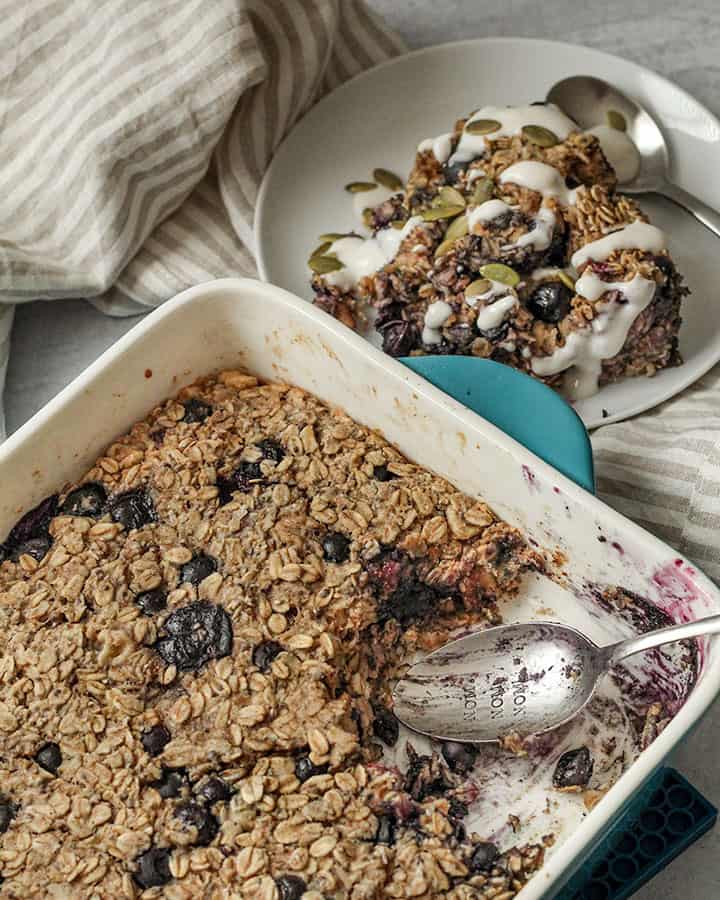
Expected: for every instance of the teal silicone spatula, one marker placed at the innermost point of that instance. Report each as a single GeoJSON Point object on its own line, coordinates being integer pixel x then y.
{"type": "Point", "coordinates": [526, 409]}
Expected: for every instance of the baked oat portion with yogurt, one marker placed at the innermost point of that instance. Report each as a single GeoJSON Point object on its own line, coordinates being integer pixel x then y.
{"type": "Point", "coordinates": [510, 241]}
{"type": "Point", "coordinates": [200, 639]}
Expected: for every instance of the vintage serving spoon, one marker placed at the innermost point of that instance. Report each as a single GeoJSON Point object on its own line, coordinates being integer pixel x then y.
{"type": "Point", "coordinates": [587, 100]}
{"type": "Point", "coordinates": [515, 679]}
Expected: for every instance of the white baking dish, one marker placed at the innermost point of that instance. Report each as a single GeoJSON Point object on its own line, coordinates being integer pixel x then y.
{"type": "Point", "coordinates": [243, 323]}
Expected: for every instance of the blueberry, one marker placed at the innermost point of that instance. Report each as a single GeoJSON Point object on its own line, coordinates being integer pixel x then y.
{"type": "Point", "coordinates": [290, 887]}
{"type": "Point", "coordinates": [242, 479]}
{"type": "Point", "coordinates": [8, 811]}
{"type": "Point", "coordinates": [198, 569]}
{"type": "Point", "coordinates": [495, 335]}
{"type": "Point", "coordinates": [399, 592]}
{"type": "Point", "coordinates": [483, 856]}
{"type": "Point", "coordinates": [195, 634]}
{"type": "Point", "coordinates": [33, 524]}
{"type": "Point", "coordinates": [151, 602]}
{"type": "Point", "coordinates": [193, 815]}
{"type": "Point", "coordinates": [246, 475]}
{"type": "Point", "coordinates": [153, 868]}
{"type": "Point", "coordinates": [382, 473]}
{"type": "Point", "coordinates": [460, 757]}
{"type": "Point", "coordinates": [214, 790]}
{"type": "Point", "coordinates": [457, 810]}
{"type": "Point", "coordinates": [336, 547]}
{"type": "Point", "coordinates": [49, 757]}
{"type": "Point", "coordinates": [87, 500]}
{"type": "Point", "coordinates": [550, 301]}
{"type": "Point", "coordinates": [133, 509]}
{"type": "Point", "coordinates": [171, 782]}
{"type": "Point", "coordinates": [665, 264]}
{"type": "Point", "coordinates": [385, 725]}
{"type": "Point", "coordinates": [399, 338]}
{"type": "Point", "coordinates": [155, 739]}
{"type": "Point", "coordinates": [196, 410]}
{"type": "Point", "coordinates": [385, 833]}
{"type": "Point", "coordinates": [573, 769]}
{"type": "Point", "coordinates": [263, 654]}
{"type": "Point", "coordinates": [453, 172]}
{"type": "Point", "coordinates": [271, 450]}
{"type": "Point", "coordinates": [411, 601]}
{"type": "Point", "coordinates": [305, 768]}
{"type": "Point", "coordinates": [36, 547]}
{"type": "Point", "coordinates": [30, 535]}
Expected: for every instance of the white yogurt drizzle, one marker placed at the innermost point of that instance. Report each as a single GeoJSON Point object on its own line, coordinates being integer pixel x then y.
{"type": "Point", "coordinates": [495, 314]}
{"type": "Point", "coordinates": [619, 150]}
{"type": "Point", "coordinates": [440, 146]}
{"type": "Point", "coordinates": [586, 349]}
{"type": "Point", "coordinates": [435, 317]}
{"type": "Point", "coordinates": [551, 272]}
{"type": "Point", "coordinates": [363, 200]}
{"type": "Point", "coordinates": [363, 256]}
{"type": "Point", "coordinates": [474, 174]}
{"type": "Point", "coordinates": [541, 235]}
{"type": "Point", "coordinates": [637, 236]}
{"type": "Point", "coordinates": [511, 119]}
{"type": "Point", "coordinates": [486, 212]}
{"type": "Point", "coordinates": [497, 289]}
{"type": "Point", "coordinates": [540, 177]}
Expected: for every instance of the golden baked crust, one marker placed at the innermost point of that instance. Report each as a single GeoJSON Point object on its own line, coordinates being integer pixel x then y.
{"type": "Point", "coordinates": [197, 661]}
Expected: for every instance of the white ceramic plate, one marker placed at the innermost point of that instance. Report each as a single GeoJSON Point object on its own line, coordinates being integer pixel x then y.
{"type": "Point", "coordinates": [378, 118]}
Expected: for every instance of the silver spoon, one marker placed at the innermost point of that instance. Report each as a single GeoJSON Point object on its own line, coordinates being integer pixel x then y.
{"type": "Point", "coordinates": [515, 679]}
{"type": "Point", "coordinates": [587, 100]}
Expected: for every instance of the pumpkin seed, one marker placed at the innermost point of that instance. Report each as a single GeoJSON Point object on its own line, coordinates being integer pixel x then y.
{"type": "Point", "coordinates": [543, 137]}
{"type": "Point", "coordinates": [333, 236]}
{"type": "Point", "coordinates": [399, 224]}
{"type": "Point", "coordinates": [458, 228]}
{"type": "Point", "coordinates": [367, 217]}
{"type": "Point", "coordinates": [616, 120]}
{"type": "Point", "coordinates": [477, 287]}
{"type": "Point", "coordinates": [566, 280]}
{"type": "Point", "coordinates": [483, 126]}
{"type": "Point", "coordinates": [388, 179]}
{"type": "Point", "coordinates": [483, 191]}
{"type": "Point", "coordinates": [500, 272]}
{"type": "Point", "coordinates": [448, 196]}
{"type": "Point", "coordinates": [444, 248]}
{"type": "Point", "coordinates": [318, 251]}
{"type": "Point", "coordinates": [357, 187]}
{"type": "Point", "coordinates": [324, 264]}
{"type": "Point", "coordinates": [441, 212]}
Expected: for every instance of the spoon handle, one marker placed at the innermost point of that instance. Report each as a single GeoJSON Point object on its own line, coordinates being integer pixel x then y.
{"type": "Point", "coordinates": [614, 653]}
{"type": "Point", "coordinates": [705, 214]}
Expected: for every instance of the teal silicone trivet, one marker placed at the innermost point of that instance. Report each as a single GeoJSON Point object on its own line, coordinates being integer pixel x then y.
{"type": "Point", "coordinates": [526, 409]}
{"type": "Point", "coordinates": [667, 816]}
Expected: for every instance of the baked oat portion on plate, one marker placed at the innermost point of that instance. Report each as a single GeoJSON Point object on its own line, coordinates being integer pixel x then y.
{"type": "Point", "coordinates": [509, 241]}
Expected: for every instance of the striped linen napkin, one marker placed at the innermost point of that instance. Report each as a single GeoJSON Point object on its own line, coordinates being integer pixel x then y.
{"type": "Point", "coordinates": [135, 134]}
{"type": "Point", "coordinates": [134, 138]}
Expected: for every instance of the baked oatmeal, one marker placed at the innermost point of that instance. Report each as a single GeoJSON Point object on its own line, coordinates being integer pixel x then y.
{"type": "Point", "coordinates": [510, 241]}
{"type": "Point", "coordinates": [201, 635]}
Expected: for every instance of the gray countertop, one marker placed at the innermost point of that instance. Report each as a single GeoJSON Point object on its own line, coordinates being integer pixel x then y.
{"type": "Point", "coordinates": [53, 342]}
